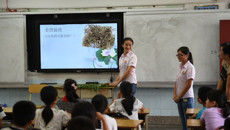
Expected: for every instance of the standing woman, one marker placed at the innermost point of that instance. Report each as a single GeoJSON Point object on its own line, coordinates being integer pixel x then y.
{"type": "Point", "coordinates": [127, 65]}
{"type": "Point", "coordinates": [224, 81]}
{"type": "Point", "coordinates": [183, 91]}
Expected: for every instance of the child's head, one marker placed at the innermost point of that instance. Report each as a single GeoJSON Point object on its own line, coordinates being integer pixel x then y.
{"type": "Point", "coordinates": [70, 87]}
{"type": "Point", "coordinates": [126, 89]}
{"type": "Point", "coordinates": [49, 97]}
{"type": "Point", "coordinates": [100, 103]}
{"type": "Point", "coordinates": [23, 113]}
{"type": "Point", "coordinates": [84, 109]}
{"type": "Point", "coordinates": [217, 98]}
{"type": "Point", "coordinates": [81, 123]}
{"type": "Point", "coordinates": [202, 94]}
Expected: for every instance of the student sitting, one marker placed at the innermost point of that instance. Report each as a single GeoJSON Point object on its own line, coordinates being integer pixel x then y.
{"type": "Point", "coordinates": [23, 115]}
{"type": "Point", "coordinates": [100, 103]}
{"type": "Point", "coordinates": [128, 105]}
{"type": "Point", "coordinates": [2, 114]}
{"type": "Point", "coordinates": [70, 98]}
{"type": "Point", "coordinates": [218, 109]}
{"type": "Point", "coordinates": [87, 109]}
{"type": "Point", "coordinates": [81, 123]}
{"type": "Point", "coordinates": [49, 118]}
{"type": "Point", "coordinates": [201, 98]}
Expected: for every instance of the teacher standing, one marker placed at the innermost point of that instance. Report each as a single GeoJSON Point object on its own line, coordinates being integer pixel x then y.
{"type": "Point", "coordinates": [127, 65]}
{"type": "Point", "coordinates": [224, 81]}
{"type": "Point", "coordinates": [183, 91]}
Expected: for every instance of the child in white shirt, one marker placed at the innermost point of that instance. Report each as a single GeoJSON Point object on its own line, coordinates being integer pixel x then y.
{"type": "Point", "coordinates": [100, 103]}
{"type": "Point", "coordinates": [128, 105]}
{"type": "Point", "coordinates": [50, 118]}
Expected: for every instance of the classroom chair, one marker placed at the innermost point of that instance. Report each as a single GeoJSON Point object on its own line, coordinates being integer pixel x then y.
{"type": "Point", "coordinates": [35, 88]}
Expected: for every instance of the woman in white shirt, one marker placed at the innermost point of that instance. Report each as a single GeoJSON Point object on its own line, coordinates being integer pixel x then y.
{"type": "Point", "coordinates": [183, 91]}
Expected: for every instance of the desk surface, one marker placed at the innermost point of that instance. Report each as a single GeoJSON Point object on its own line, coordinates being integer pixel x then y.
{"type": "Point", "coordinates": [126, 123]}
{"type": "Point", "coordinates": [146, 111]}
{"type": "Point", "coordinates": [7, 109]}
{"type": "Point", "coordinates": [191, 123]}
{"type": "Point", "coordinates": [191, 111]}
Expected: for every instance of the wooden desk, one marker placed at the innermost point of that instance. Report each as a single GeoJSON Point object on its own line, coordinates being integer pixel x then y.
{"type": "Point", "coordinates": [191, 111]}
{"type": "Point", "coordinates": [8, 110]}
{"type": "Point", "coordinates": [141, 114]}
{"type": "Point", "coordinates": [129, 124]}
{"type": "Point", "coordinates": [193, 124]}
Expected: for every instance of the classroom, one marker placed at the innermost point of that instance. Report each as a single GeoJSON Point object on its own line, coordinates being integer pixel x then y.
{"type": "Point", "coordinates": [158, 29]}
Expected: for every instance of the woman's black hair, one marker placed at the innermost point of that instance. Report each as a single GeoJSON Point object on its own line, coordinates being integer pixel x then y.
{"type": "Point", "coordinates": [126, 90]}
{"type": "Point", "coordinates": [221, 99]}
{"type": "Point", "coordinates": [128, 39]}
{"type": "Point", "coordinates": [81, 123]}
{"type": "Point", "coordinates": [84, 108]}
{"type": "Point", "coordinates": [48, 96]}
{"type": "Point", "coordinates": [185, 50]}
{"type": "Point", "coordinates": [71, 94]}
{"type": "Point", "coordinates": [226, 47]}
{"type": "Point", "coordinates": [100, 103]}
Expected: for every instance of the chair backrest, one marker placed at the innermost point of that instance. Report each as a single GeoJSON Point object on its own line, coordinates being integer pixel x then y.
{"type": "Point", "coordinates": [35, 88]}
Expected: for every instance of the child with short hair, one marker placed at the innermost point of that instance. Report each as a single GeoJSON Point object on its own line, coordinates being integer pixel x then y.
{"type": "Point", "coordinates": [81, 123]}
{"type": "Point", "coordinates": [201, 98]}
{"type": "Point", "coordinates": [70, 98]}
{"type": "Point", "coordinates": [50, 118]}
{"type": "Point", "coordinates": [218, 109]}
{"type": "Point", "coordinates": [100, 103]}
{"type": "Point", "coordinates": [87, 109]}
{"type": "Point", "coordinates": [23, 115]}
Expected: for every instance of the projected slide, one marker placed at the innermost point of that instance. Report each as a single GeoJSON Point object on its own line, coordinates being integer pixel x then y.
{"type": "Point", "coordinates": [78, 46]}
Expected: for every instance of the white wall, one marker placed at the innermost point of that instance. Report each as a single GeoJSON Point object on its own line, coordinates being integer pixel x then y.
{"type": "Point", "coordinates": [91, 4]}
{"type": "Point", "coordinates": [25, 5]}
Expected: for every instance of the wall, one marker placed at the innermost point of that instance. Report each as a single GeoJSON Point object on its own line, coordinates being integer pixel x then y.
{"type": "Point", "coordinates": [159, 100]}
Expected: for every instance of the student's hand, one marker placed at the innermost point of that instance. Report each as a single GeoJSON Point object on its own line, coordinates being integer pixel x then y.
{"type": "Point", "coordinates": [69, 114]}
{"type": "Point", "coordinates": [100, 116]}
{"type": "Point", "coordinates": [193, 116]}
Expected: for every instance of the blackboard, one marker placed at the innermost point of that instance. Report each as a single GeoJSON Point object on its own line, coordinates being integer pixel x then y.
{"type": "Point", "coordinates": [12, 52]}
{"type": "Point", "coordinates": [157, 36]}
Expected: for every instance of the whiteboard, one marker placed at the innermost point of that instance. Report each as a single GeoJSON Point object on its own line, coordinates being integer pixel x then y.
{"type": "Point", "coordinates": [157, 37]}
{"type": "Point", "coordinates": [12, 52]}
